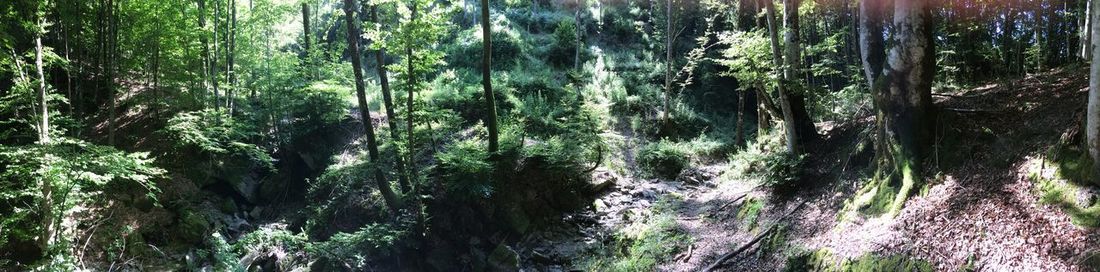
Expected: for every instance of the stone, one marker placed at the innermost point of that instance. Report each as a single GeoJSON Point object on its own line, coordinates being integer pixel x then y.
{"type": "Point", "coordinates": [503, 258]}
{"type": "Point", "coordinates": [1086, 197]}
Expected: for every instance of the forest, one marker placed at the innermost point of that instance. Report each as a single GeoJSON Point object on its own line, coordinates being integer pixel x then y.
{"type": "Point", "coordinates": [549, 135]}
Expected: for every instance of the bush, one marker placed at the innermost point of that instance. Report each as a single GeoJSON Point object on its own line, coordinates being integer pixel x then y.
{"type": "Point", "coordinates": [467, 49]}
{"type": "Point", "coordinates": [216, 143]}
{"type": "Point", "coordinates": [43, 184]}
{"type": "Point", "coordinates": [663, 159]}
{"type": "Point", "coordinates": [466, 171]}
{"type": "Point", "coordinates": [563, 50]}
{"type": "Point", "coordinates": [355, 249]}
{"type": "Point", "coordinates": [774, 168]}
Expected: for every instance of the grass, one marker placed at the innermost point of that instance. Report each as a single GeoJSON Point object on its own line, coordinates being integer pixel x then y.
{"type": "Point", "coordinates": [645, 243]}
{"type": "Point", "coordinates": [1055, 188]}
{"type": "Point", "coordinates": [750, 212]}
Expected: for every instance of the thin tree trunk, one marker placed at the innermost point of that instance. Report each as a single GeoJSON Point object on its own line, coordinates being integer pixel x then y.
{"type": "Point", "coordinates": [112, 65]}
{"type": "Point", "coordinates": [214, 60]}
{"type": "Point", "coordinates": [387, 99]}
{"type": "Point", "coordinates": [306, 61]}
{"type": "Point", "coordinates": [790, 129]}
{"type": "Point", "coordinates": [669, 36]}
{"type": "Point", "coordinates": [230, 51]}
{"type": "Point", "coordinates": [486, 78]}
{"type": "Point", "coordinates": [364, 110]}
{"type": "Point", "coordinates": [43, 104]}
{"type": "Point", "coordinates": [409, 107]}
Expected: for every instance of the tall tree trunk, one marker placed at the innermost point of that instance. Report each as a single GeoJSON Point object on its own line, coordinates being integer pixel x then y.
{"type": "Point", "coordinates": [409, 107]}
{"type": "Point", "coordinates": [1092, 126]}
{"type": "Point", "coordinates": [214, 60]}
{"type": "Point", "coordinates": [112, 65]}
{"type": "Point", "coordinates": [486, 78]}
{"type": "Point", "coordinates": [306, 60]}
{"type": "Point", "coordinates": [205, 47]}
{"type": "Point", "coordinates": [364, 110]}
{"type": "Point", "coordinates": [669, 37]}
{"type": "Point", "coordinates": [790, 129]}
{"type": "Point", "coordinates": [230, 51]}
{"type": "Point", "coordinates": [740, 119]}
{"type": "Point", "coordinates": [1087, 30]}
{"type": "Point", "coordinates": [387, 99]}
{"type": "Point", "coordinates": [43, 110]}
{"type": "Point", "coordinates": [902, 92]}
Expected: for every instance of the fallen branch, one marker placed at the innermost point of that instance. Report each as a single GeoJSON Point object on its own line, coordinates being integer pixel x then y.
{"type": "Point", "coordinates": [960, 110]}
{"type": "Point", "coordinates": [757, 239]}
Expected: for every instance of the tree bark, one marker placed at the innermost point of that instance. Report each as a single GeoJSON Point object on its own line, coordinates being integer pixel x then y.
{"type": "Point", "coordinates": [790, 129]}
{"type": "Point", "coordinates": [112, 65]}
{"type": "Point", "coordinates": [364, 110]}
{"type": "Point", "coordinates": [387, 99]}
{"type": "Point", "coordinates": [1092, 126]}
{"type": "Point", "coordinates": [43, 105]}
{"type": "Point", "coordinates": [306, 61]}
{"type": "Point", "coordinates": [669, 37]}
{"type": "Point", "coordinates": [902, 93]}
{"type": "Point", "coordinates": [486, 77]}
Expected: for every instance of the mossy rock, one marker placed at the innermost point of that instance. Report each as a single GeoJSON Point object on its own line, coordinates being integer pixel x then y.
{"type": "Point", "coordinates": [825, 260]}
{"type": "Point", "coordinates": [192, 227]}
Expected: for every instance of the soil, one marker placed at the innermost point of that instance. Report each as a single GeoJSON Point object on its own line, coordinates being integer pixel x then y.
{"type": "Point", "coordinates": [979, 209]}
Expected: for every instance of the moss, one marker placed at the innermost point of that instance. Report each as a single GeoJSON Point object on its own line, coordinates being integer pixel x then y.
{"type": "Point", "coordinates": [750, 212]}
{"type": "Point", "coordinates": [644, 244]}
{"type": "Point", "coordinates": [1055, 189]}
{"type": "Point", "coordinates": [883, 194]}
{"type": "Point", "coordinates": [825, 260]}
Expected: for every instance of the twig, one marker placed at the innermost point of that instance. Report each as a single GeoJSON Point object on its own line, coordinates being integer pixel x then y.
{"type": "Point", "coordinates": [752, 242]}
{"type": "Point", "coordinates": [960, 110]}
{"type": "Point", "coordinates": [691, 250]}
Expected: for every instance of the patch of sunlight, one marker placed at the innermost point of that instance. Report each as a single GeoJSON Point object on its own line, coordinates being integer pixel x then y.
{"type": "Point", "coordinates": [1053, 189]}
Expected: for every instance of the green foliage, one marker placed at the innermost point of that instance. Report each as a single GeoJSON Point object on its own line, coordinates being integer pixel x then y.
{"type": "Point", "coordinates": [356, 248]}
{"type": "Point", "coordinates": [216, 141]}
{"type": "Point", "coordinates": [507, 48]}
{"type": "Point", "coordinates": [750, 211]}
{"type": "Point", "coordinates": [644, 244]}
{"type": "Point", "coordinates": [466, 170]}
{"type": "Point", "coordinates": [45, 183]}
{"type": "Point", "coordinates": [768, 161]}
{"type": "Point", "coordinates": [338, 191]}
{"type": "Point", "coordinates": [565, 43]}
{"type": "Point", "coordinates": [663, 159]}
{"type": "Point", "coordinates": [1055, 189]}
{"type": "Point", "coordinates": [221, 253]}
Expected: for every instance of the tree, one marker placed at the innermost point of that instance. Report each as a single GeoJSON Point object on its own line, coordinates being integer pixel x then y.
{"type": "Point", "coordinates": [387, 100]}
{"type": "Point", "coordinates": [790, 129]}
{"type": "Point", "coordinates": [364, 110]}
{"type": "Point", "coordinates": [486, 79]}
{"type": "Point", "coordinates": [1092, 126]}
{"type": "Point", "coordinates": [902, 94]}
{"type": "Point", "coordinates": [43, 103]}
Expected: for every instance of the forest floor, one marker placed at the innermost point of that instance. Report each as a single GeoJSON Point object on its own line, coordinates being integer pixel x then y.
{"type": "Point", "coordinates": [980, 210]}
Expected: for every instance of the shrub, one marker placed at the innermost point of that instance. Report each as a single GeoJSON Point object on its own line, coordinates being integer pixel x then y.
{"type": "Point", "coordinates": [217, 143]}
{"type": "Point", "coordinates": [466, 170]}
{"type": "Point", "coordinates": [43, 184]}
{"type": "Point", "coordinates": [768, 161]}
{"type": "Point", "coordinates": [564, 47]}
{"type": "Point", "coordinates": [466, 51]}
{"type": "Point", "coordinates": [355, 249]}
{"type": "Point", "coordinates": [663, 159]}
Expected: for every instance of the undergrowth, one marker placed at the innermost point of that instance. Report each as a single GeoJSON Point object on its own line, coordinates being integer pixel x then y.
{"type": "Point", "coordinates": [645, 243]}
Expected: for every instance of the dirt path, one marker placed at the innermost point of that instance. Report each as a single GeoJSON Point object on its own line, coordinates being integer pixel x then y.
{"type": "Point", "coordinates": [982, 212]}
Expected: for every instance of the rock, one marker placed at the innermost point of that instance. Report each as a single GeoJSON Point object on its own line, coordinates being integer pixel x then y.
{"type": "Point", "coordinates": [602, 180]}
{"type": "Point", "coordinates": [503, 258]}
{"type": "Point", "coordinates": [256, 212]}
{"type": "Point", "coordinates": [1086, 197]}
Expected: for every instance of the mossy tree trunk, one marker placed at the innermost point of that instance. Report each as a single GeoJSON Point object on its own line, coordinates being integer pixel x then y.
{"type": "Point", "coordinates": [364, 110]}
{"type": "Point", "coordinates": [486, 77]}
{"type": "Point", "coordinates": [901, 84]}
